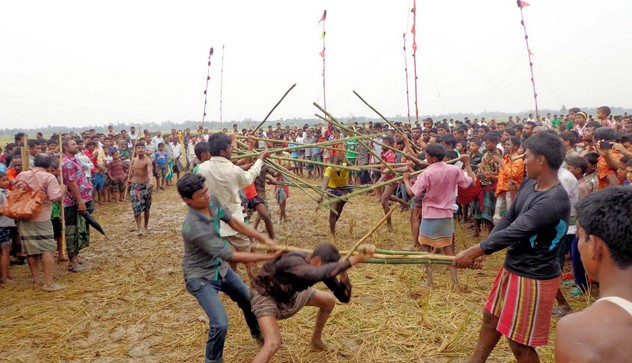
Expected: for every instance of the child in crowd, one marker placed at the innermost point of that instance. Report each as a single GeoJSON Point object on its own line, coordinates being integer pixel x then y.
{"type": "Point", "coordinates": [116, 177]}
{"type": "Point", "coordinates": [5, 232]}
{"type": "Point", "coordinates": [162, 169]}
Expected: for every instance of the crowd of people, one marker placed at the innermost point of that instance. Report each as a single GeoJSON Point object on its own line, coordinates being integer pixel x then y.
{"type": "Point", "coordinates": [531, 186]}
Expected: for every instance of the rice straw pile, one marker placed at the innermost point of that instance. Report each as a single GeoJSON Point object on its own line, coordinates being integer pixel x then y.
{"type": "Point", "coordinates": [131, 305]}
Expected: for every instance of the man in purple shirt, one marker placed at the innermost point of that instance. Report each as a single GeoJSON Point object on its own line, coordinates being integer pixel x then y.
{"type": "Point", "coordinates": [437, 185]}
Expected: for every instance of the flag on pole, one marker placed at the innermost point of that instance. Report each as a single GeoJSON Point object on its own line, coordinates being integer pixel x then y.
{"type": "Point", "coordinates": [322, 18]}
{"type": "Point", "coordinates": [522, 4]}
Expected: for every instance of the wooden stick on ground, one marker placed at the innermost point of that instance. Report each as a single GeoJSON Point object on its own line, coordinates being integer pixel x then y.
{"type": "Point", "coordinates": [273, 108]}
{"type": "Point", "coordinates": [366, 236]}
{"type": "Point", "coordinates": [63, 254]}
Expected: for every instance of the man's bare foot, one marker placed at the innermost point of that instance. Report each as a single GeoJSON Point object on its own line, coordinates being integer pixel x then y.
{"type": "Point", "coordinates": [320, 345]}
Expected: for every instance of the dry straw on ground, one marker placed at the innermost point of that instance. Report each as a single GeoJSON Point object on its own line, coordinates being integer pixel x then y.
{"type": "Point", "coordinates": [131, 305]}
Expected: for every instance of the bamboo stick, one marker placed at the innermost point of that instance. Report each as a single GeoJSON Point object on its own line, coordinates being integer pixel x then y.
{"type": "Point", "coordinates": [24, 154]}
{"type": "Point", "coordinates": [366, 236]}
{"type": "Point", "coordinates": [518, 157]}
{"type": "Point", "coordinates": [129, 173]}
{"type": "Point", "coordinates": [273, 108]}
{"type": "Point", "coordinates": [333, 121]}
{"type": "Point", "coordinates": [313, 162]}
{"type": "Point", "coordinates": [408, 262]}
{"type": "Point", "coordinates": [290, 148]}
{"type": "Point", "coordinates": [63, 254]}
{"type": "Point", "coordinates": [391, 124]}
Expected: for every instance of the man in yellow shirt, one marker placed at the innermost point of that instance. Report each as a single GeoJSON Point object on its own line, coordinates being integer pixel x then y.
{"type": "Point", "coordinates": [336, 182]}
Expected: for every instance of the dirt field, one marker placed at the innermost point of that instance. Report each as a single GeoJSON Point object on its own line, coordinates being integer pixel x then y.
{"type": "Point", "coordinates": [132, 305]}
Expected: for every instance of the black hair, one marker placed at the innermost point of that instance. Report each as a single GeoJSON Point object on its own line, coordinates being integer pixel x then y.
{"type": "Point", "coordinates": [189, 184]}
{"type": "Point", "coordinates": [327, 252]}
{"type": "Point", "coordinates": [139, 144]}
{"type": "Point", "coordinates": [17, 137]}
{"type": "Point", "coordinates": [592, 158]}
{"type": "Point", "coordinates": [605, 133]}
{"type": "Point", "coordinates": [515, 141]}
{"type": "Point", "coordinates": [569, 136]}
{"type": "Point", "coordinates": [578, 162]}
{"type": "Point", "coordinates": [33, 143]}
{"type": "Point", "coordinates": [199, 148]}
{"type": "Point", "coordinates": [574, 109]}
{"type": "Point", "coordinates": [476, 140]}
{"type": "Point", "coordinates": [593, 124]}
{"type": "Point", "coordinates": [548, 145]}
{"type": "Point", "coordinates": [217, 143]}
{"type": "Point", "coordinates": [161, 144]}
{"type": "Point", "coordinates": [625, 137]}
{"type": "Point", "coordinates": [532, 123]}
{"type": "Point", "coordinates": [449, 140]}
{"type": "Point", "coordinates": [459, 130]}
{"type": "Point", "coordinates": [451, 155]}
{"type": "Point", "coordinates": [90, 143]}
{"type": "Point", "coordinates": [606, 214]}
{"type": "Point", "coordinates": [388, 139]}
{"type": "Point", "coordinates": [491, 137]}
{"type": "Point", "coordinates": [605, 109]}
{"type": "Point", "coordinates": [42, 160]}
{"type": "Point", "coordinates": [510, 131]}
{"type": "Point", "coordinates": [436, 150]}
{"type": "Point", "coordinates": [629, 163]}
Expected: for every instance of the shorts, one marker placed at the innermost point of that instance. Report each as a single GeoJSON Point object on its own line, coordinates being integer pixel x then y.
{"type": "Point", "coordinates": [266, 306]}
{"type": "Point", "coordinates": [309, 166]}
{"type": "Point", "coordinates": [37, 237]}
{"type": "Point", "coordinates": [162, 170]}
{"type": "Point", "coordinates": [5, 236]}
{"type": "Point", "coordinates": [177, 165]}
{"type": "Point", "coordinates": [523, 307]}
{"type": "Point", "coordinates": [240, 242]}
{"type": "Point", "coordinates": [117, 186]}
{"type": "Point", "coordinates": [98, 181]}
{"type": "Point", "coordinates": [365, 177]}
{"type": "Point", "coordinates": [376, 175]}
{"type": "Point", "coordinates": [253, 202]}
{"type": "Point", "coordinates": [317, 157]}
{"type": "Point", "coordinates": [56, 227]}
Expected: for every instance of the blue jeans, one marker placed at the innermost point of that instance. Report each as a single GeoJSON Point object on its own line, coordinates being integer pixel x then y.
{"type": "Point", "coordinates": [205, 291]}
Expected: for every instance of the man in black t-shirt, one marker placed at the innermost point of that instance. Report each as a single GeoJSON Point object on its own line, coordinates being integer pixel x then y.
{"type": "Point", "coordinates": [519, 305]}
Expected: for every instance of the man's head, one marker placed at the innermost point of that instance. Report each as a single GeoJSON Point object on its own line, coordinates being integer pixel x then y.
{"type": "Point", "coordinates": [603, 112]}
{"type": "Point", "coordinates": [580, 118]}
{"type": "Point", "coordinates": [604, 133]}
{"type": "Point", "coordinates": [35, 146]}
{"type": "Point", "coordinates": [435, 153]}
{"type": "Point", "coordinates": [605, 232]}
{"type": "Point", "coordinates": [577, 166]}
{"type": "Point", "coordinates": [91, 146]}
{"type": "Point", "coordinates": [569, 138]}
{"type": "Point", "coordinates": [201, 151]}
{"type": "Point", "coordinates": [474, 146]}
{"type": "Point", "coordinates": [528, 129]}
{"type": "Point", "coordinates": [592, 159]}
{"type": "Point", "coordinates": [628, 171]}
{"type": "Point", "coordinates": [491, 142]}
{"type": "Point", "coordinates": [42, 160]}
{"type": "Point", "coordinates": [544, 152]}
{"type": "Point", "coordinates": [193, 191]}
{"type": "Point", "coordinates": [220, 145]}
{"type": "Point", "coordinates": [512, 145]}
{"type": "Point", "coordinates": [323, 254]}
{"type": "Point", "coordinates": [69, 146]}
{"type": "Point", "coordinates": [139, 149]}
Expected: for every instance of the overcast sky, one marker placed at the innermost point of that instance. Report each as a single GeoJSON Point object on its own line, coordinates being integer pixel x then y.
{"type": "Point", "coordinates": [83, 62]}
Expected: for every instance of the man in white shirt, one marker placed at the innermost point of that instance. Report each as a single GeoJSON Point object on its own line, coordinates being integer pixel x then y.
{"type": "Point", "coordinates": [156, 140]}
{"type": "Point", "coordinates": [225, 180]}
{"type": "Point", "coordinates": [176, 148]}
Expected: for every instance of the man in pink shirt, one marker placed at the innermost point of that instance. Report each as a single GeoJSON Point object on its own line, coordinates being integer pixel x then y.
{"type": "Point", "coordinates": [37, 233]}
{"type": "Point", "coordinates": [437, 184]}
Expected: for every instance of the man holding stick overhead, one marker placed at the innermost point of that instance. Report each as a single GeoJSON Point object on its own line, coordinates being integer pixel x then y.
{"type": "Point", "coordinates": [283, 287]}
{"type": "Point", "coordinates": [519, 305]}
{"type": "Point", "coordinates": [141, 185]}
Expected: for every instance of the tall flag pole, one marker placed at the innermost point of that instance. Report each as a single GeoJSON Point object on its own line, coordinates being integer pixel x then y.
{"type": "Point", "coordinates": [522, 4]}
{"type": "Point", "coordinates": [208, 78]}
{"type": "Point", "coordinates": [221, 88]}
{"type": "Point", "coordinates": [322, 54]}
{"type": "Point", "coordinates": [406, 72]}
{"type": "Point", "coordinates": [414, 31]}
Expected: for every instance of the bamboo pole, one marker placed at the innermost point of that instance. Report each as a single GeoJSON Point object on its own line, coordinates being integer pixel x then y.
{"type": "Point", "coordinates": [24, 154]}
{"type": "Point", "coordinates": [273, 108]}
{"type": "Point", "coordinates": [313, 162]}
{"type": "Point", "coordinates": [408, 262]}
{"type": "Point", "coordinates": [63, 254]}
{"type": "Point", "coordinates": [518, 157]}
{"type": "Point", "coordinates": [129, 173]}
{"type": "Point", "coordinates": [290, 148]}
{"type": "Point", "coordinates": [334, 122]}
{"type": "Point", "coordinates": [391, 124]}
{"type": "Point", "coordinates": [366, 236]}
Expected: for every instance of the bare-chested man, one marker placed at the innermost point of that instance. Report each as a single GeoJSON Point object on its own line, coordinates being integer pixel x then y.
{"type": "Point", "coordinates": [141, 185]}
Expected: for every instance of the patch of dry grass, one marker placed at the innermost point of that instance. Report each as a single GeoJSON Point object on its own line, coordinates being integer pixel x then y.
{"type": "Point", "coordinates": [132, 305]}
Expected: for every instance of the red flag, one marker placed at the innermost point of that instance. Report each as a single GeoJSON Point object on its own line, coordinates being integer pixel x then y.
{"type": "Point", "coordinates": [324, 16]}
{"type": "Point", "coordinates": [322, 53]}
{"type": "Point", "coordinates": [414, 47]}
{"type": "Point", "coordinates": [522, 4]}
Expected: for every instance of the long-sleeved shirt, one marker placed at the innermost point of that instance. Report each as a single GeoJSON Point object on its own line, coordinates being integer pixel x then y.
{"type": "Point", "coordinates": [225, 179]}
{"type": "Point", "coordinates": [532, 228]}
{"type": "Point", "coordinates": [291, 273]}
